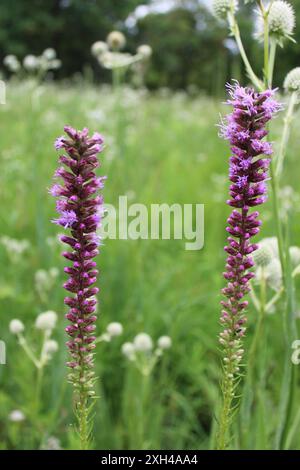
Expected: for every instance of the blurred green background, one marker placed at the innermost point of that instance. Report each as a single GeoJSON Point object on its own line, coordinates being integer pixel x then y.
{"type": "Point", "coordinates": [193, 52]}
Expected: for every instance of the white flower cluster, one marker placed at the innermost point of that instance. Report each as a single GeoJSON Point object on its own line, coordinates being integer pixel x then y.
{"type": "Point", "coordinates": [45, 281]}
{"type": "Point", "coordinates": [45, 322]}
{"type": "Point", "coordinates": [292, 82]}
{"type": "Point", "coordinates": [220, 8]}
{"type": "Point", "coordinates": [113, 330]}
{"type": "Point", "coordinates": [267, 262]}
{"type": "Point", "coordinates": [281, 19]}
{"type": "Point", "coordinates": [34, 64]}
{"type": "Point", "coordinates": [141, 351]}
{"type": "Point", "coordinates": [15, 248]}
{"type": "Point", "coordinates": [109, 53]}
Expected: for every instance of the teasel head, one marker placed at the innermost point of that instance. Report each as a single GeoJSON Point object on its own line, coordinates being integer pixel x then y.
{"type": "Point", "coordinates": [79, 206]}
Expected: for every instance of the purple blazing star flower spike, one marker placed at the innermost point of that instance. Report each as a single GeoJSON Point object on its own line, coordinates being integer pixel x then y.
{"type": "Point", "coordinates": [79, 209]}
{"type": "Point", "coordinates": [244, 128]}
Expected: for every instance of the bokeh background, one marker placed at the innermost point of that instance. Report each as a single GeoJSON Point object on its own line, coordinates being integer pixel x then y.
{"type": "Point", "coordinates": [162, 145]}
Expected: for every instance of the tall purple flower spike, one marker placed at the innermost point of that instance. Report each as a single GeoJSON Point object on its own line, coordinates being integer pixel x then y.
{"type": "Point", "coordinates": [80, 209]}
{"type": "Point", "coordinates": [245, 129]}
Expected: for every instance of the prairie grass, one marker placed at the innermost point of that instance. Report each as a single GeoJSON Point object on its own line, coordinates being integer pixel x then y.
{"type": "Point", "coordinates": [160, 148]}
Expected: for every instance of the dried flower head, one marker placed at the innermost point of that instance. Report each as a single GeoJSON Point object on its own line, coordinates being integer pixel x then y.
{"type": "Point", "coordinates": [222, 7]}
{"type": "Point", "coordinates": [116, 40]}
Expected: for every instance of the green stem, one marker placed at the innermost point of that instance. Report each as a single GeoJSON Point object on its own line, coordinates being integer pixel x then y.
{"type": "Point", "coordinates": [286, 133]}
{"type": "Point", "coordinates": [228, 387]}
{"type": "Point", "coordinates": [234, 27]}
{"type": "Point", "coordinates": [273, 47]}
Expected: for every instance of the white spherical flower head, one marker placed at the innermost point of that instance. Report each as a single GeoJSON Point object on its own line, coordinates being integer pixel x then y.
{"type": "Point", "coordinates": [114, 329]}
{"type": "Point", "coordinates": [222, 7]}
{"type": "Point", "coordinates": [164, 342]}
{"type": "Point", "coordinates": [128, 350]}
{"type": "Point", "coordinates": [46, 320]}
{"type": "Point", "coordinates": [295, 255]}
{"type": "Point", "coordinates": [16, 326]}
{"type": "Point", "coordinates": [281, 19]}
{"type": "Point", "coordinates": [12, 63]}
{"type": "Point", "coordinates": [143, 342]}
{"type": "Point", "coordinates": [98, 48]}
{"type": "Point", "coordinates": [51, 346]}
{"type": "Point", "coordinates": [49, 53]}
{"type": "Point", "coordinates": [31, 62]}
{"type": "Point", "coordinates": [16, 416]}
{"type": "Point", "coordinates": [292, 82]}
{"type": "Point", "coordinates": [116, 40]}
{"type": "Point", "coordinates": [264, 255]}
{"type": "Point", "coordinates": [144, 51]}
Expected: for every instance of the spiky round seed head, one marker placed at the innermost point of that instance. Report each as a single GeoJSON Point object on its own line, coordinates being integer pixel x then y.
{"type": "Point", "coordinates": [31, 62]}
{"type": "Point", "coordinates": [164, 342]}
{"type": "Point", "coordinates": [51, 346]}
{"type": "Point", "coordinates": [264, 255]}
{"type": "Point", "coordinates": [295, 255]}
{"type": "Point", "coordinates": [116, 40]}
{"type": "Point", "coordinates": [114, 329]}
{"type": "Point", "coordinates": [16, 326]}
{"type": "Point", "coordinates": [98, 48]}
{"type": "Point", "coordinates": [222, 7]}
{"type": "Point", "coordinates": [292, 82]}
{"type": "Point", "coordinates": [46, 320]}
{"type": "Point", "coordinates": [281, 19]}
{"type": "Point", "coordinates": [274, 274]}
{"type": "Point", "coordinates": [49, 53]}
{"type": "Point", "coordinates": [143, 342]}
{"type": "Point", "coordinates": [144, 51]}
{"type": "Point", "coordinates": [16, 416]}
{"type": "Point", "coordinates": [128, 350]}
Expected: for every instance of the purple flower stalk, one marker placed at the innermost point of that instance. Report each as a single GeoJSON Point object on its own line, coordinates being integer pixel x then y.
{"type": "Point", "coordinates": [80, 209]}
{"type": "Point", "coordinates": [245, 129]}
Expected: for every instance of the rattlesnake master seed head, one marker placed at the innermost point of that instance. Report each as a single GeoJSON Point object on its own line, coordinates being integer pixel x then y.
{"type": "Point", "coordinates": [16, 326]}
{"type": "Point", "coordinates": [98, 48]}
{"type": "Point", "coordinates": [281, 19]}
{"type": "Point", "coordinates": [16, 416]}
{"type": "Point", "coordinates": [49, 53]}
{"type": "Point", "coordinates": [222, 7]}
{"type": "Point", "coordinates": [292, 82]}
{"type": "Point", "coordinates": [116, 40]}
{"type": "Point", "coordinates": [51, 346]}
{"type": "Point", "coordinates": [128, 350]}
{"type": "Point", "coordinates": [46, 320]}
{"type": "Point", "coordinates": [143, 342]}
{"type": "Point", "coordinates": [31, 62]}
{"type": "Point", "coordinates": [114, 329]}
{"type": "Point", "coordinates": [144, 51]}
{"type": "Point", "coordinates": [164, 342]}
{"type": "Point", "coordinates": [295, 255]}
{"type": "Point", "coordinates": [264, 255]}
